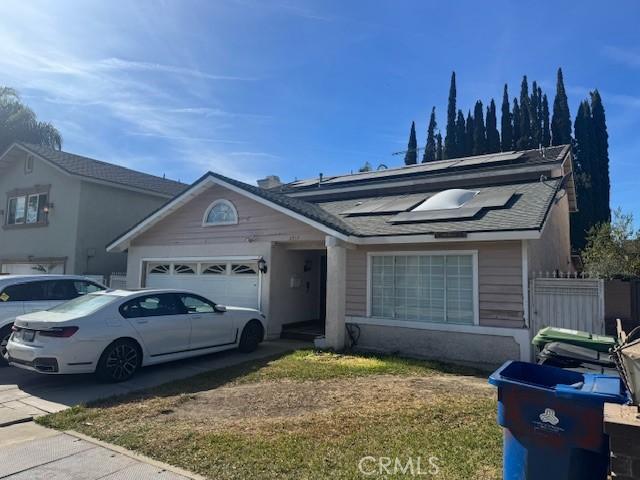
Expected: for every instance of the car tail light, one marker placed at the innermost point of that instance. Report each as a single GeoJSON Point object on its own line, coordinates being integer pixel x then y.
{"type": "Point", "coordinates": [14, 328]}
{"type": "Point", "coordinates": [59, 332]}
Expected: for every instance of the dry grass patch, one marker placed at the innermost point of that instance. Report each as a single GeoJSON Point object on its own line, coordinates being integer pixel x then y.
{"type": "Point", "coordinates": [306, 415]}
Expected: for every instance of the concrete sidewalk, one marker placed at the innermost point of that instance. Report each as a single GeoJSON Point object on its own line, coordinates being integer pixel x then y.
{"type": "Point", "coordinates": [31, 452]}
{"type": "Point", "coordinates": [25, 395]}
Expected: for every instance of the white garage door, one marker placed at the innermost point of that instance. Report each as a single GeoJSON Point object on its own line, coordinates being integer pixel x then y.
{"type": "Point", "coordinates": [233, 283]}
{"type": "Point", "coordinates": [32, 268]}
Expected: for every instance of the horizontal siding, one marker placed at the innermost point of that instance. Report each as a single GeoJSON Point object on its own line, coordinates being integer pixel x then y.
{"type": "Point", "coordinates": [256, 223]}
{"type": "Point", "coordinates": [499, 279]}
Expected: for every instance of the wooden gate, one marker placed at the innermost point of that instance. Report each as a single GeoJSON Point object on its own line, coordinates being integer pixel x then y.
{"type": "Point", "coordinates": [574, 303]}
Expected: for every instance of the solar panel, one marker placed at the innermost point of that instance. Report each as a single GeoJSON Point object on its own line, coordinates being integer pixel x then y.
{"type": "Point", "coordinates": [365, 206]}
{"type": "Point", "coordinates": [402, 204]}
{"type": "Point", "coordinates": [435, 215]}
{"type": "Point", "coordinates": [488, 199]}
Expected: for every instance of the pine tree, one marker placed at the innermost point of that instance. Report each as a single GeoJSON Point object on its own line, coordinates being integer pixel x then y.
{"type": "Point", "coordinates": [506, 125]}
{"type": "Point", "coordinates": [546, 133]}
{"type": "Point", "coordinates": [561, 119]}
{"type": "Point", "coordinates": [430, 147]}
{"type": "Point", "coordinates": [523, 141]}
{"type": "Point", "coordinates": [461, 135]}
{"type": "Point", "coordinates": [479, 131]}
{"type": "Point", "coordinates": [516, 122]}
{"type": "Point", "coordinates": [468, 134]}
{"type": "Point", "coordinates": [600, 175]}
{"type": "Point", "coordinates": [411, 156]}
{"type": "Point", "coordinates": [439, 146]}
{"type": "Point", "coordinates": [493, 137]}
{"type": "Point", "coordinates": [583, 219]}
{"type": "Point", "coordinates": [450, 146]}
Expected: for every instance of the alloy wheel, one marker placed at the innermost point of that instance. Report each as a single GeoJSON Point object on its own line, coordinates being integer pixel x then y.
{"type": "Point", "coordinates": [122, 362]}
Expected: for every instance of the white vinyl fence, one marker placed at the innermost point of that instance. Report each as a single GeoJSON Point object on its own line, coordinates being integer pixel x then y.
{"type": "Point", "coordinates": [118, 280]}
{"type": "Point", "coordinates": [569, 302]}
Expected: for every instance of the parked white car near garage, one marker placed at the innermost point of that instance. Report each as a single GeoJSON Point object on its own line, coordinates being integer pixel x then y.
{"type": "Point", "coordinates": [115, 332]}
{"type": "Point", "coordinates": [20, 294]}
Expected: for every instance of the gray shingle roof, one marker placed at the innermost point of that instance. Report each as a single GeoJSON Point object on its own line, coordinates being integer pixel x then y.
{"type": "Point", "coordinates": [527, 210]}
{"type": "Point", "coordinates": [107, 172]}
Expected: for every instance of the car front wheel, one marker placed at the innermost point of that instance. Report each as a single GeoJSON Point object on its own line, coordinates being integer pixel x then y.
{"type": "Point", "coordinates": [251, 337]}
{"type": "Point", "coordinates": [119, 362]}
{"type": "Point", "coordinates": [5, 333]}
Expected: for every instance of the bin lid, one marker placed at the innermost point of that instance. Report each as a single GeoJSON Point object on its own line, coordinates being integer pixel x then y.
{"type": "Point", "coordinates": [565, 383]}
{"type": "Point", "coordinates": [576, 337]}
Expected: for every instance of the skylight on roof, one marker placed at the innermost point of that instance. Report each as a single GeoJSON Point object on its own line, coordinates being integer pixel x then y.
{"type": "Point", "coordinates": [445, 200]}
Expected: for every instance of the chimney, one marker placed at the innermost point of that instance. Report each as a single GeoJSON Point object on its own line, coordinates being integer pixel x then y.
{"type": "Point", "coordinates": [269, 182]}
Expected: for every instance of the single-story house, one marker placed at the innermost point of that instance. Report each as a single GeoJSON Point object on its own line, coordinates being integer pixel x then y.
{"type": "Point", "coordinates": [431, 260]}
{"type": "Point", "coordinates": [61, 208]}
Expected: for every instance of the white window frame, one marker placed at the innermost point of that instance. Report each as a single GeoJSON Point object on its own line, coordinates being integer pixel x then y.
{"type": "Point", "coordinates": [409, 323]}
{"type": "Point", "coordinates": [214, 204]}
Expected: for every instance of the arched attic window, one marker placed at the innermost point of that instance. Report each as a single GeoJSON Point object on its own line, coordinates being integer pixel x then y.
{"type": "Point", "coordinates": [220, 212]}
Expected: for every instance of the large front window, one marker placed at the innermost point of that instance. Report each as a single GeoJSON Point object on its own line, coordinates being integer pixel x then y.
{"type": "Point", "coordinates": [27, 209]}
{"type": "Point", "coordinates": [423, 287]}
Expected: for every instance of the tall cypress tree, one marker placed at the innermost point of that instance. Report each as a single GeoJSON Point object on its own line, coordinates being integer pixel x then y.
{"type": "Point", "coordinates": [561, 119]}
{"type": "Point", "coordinates": [584, 218]}
{"type": "Point", "coordinates": [506, 125]}
{"type": "Point", "coordinates": [516, 122]}
{"type": "Point", "coordinates": [600, 174]}
{"type": "Point", "coordinates": [461, 135]}
{"type": "Point", "coordinates": [493, 137]}
{"type": "Point", "coordinates": [479, 131]}
{"type": "Point", "coordinates": [535, 107]}
{"type": "Point", "coordinates": [546, 133]}
{"type": "Point", "coordinates": [468, 134]}
{"type": "Point", "coordinates": [430, 147]}
{"type": "Point", "coordinates": [411, 156]}
{"type": "Point", "coordinates": [450, 146]}
{"type": "Point", "coordinates": [439, 152]}
{"type": "Point", "coordinates": [523, 142]}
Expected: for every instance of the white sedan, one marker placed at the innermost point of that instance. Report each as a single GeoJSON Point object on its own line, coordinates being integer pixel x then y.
{"type": "Point", "coordinates": [115, 332]}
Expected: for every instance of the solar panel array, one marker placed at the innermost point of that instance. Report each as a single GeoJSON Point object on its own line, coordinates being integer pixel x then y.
{"type": "Point", "coordinates": [439, 166]}
{"type": "Point", "coordinates": [385, 205]}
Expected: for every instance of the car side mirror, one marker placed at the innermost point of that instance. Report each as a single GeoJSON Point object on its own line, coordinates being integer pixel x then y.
{"type": "Point", "coordinates": [220, 308]}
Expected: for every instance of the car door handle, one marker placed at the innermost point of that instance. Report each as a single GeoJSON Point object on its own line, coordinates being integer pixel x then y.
{"type": "Point", "coordinates": [142, 321]}
{"type": "Point", "coordinates": [196, 317]}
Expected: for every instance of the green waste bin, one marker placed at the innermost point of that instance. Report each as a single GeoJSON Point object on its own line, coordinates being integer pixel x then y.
{"type": "Point", "coordinates": [600, 343]}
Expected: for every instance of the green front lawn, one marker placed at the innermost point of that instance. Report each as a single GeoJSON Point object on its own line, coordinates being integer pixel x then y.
{"type": "Point", "coordinates": [308, 415]}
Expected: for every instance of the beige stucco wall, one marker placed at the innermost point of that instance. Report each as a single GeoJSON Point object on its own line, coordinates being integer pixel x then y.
{"type": "Point", "coordinates": [499, 278]}
{"type": "Point", "coordinates": [481, 351]}
{"type": "Point", "coordinates": [553, 250]}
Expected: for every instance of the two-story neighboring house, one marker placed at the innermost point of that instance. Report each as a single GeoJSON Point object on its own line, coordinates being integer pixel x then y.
{"type": "Point", "coordinates": [430, 260]}
{"type": "Point", "coordinates": [59, 210]}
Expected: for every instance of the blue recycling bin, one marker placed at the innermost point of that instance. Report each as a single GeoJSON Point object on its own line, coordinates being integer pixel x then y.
{"type": "Point", "coordinates": [552, 420]}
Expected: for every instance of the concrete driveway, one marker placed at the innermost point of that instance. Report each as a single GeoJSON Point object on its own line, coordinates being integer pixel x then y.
{"type": "Point", "coordinates": [25, 395]}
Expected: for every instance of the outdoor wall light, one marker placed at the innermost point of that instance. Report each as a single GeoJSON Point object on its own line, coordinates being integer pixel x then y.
{"type": "Point", "coordinates": [262, 265]}
{"type": "Point", "coordinates": [48, 207]}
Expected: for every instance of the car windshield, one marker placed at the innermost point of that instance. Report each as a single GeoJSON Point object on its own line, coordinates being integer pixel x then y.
{"type": "Point", "coordinates": [84, 305]}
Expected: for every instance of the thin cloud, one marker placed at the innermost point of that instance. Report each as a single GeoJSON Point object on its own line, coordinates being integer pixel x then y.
{"type": "Point", "coordinates": [129, 65]}
{"type": "Point", "coordinates": [630, 58]}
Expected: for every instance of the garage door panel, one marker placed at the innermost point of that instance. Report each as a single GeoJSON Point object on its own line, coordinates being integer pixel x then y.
{"type": "Point", "coordinates": [226, 289]}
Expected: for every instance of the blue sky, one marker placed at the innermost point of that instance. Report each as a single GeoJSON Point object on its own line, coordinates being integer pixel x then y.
{"type": "Point", "coordinates": [253, 87]}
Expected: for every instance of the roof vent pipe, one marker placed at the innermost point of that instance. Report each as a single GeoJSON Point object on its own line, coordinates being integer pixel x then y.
{"type": "Point", "coordinates": [319, 178]}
